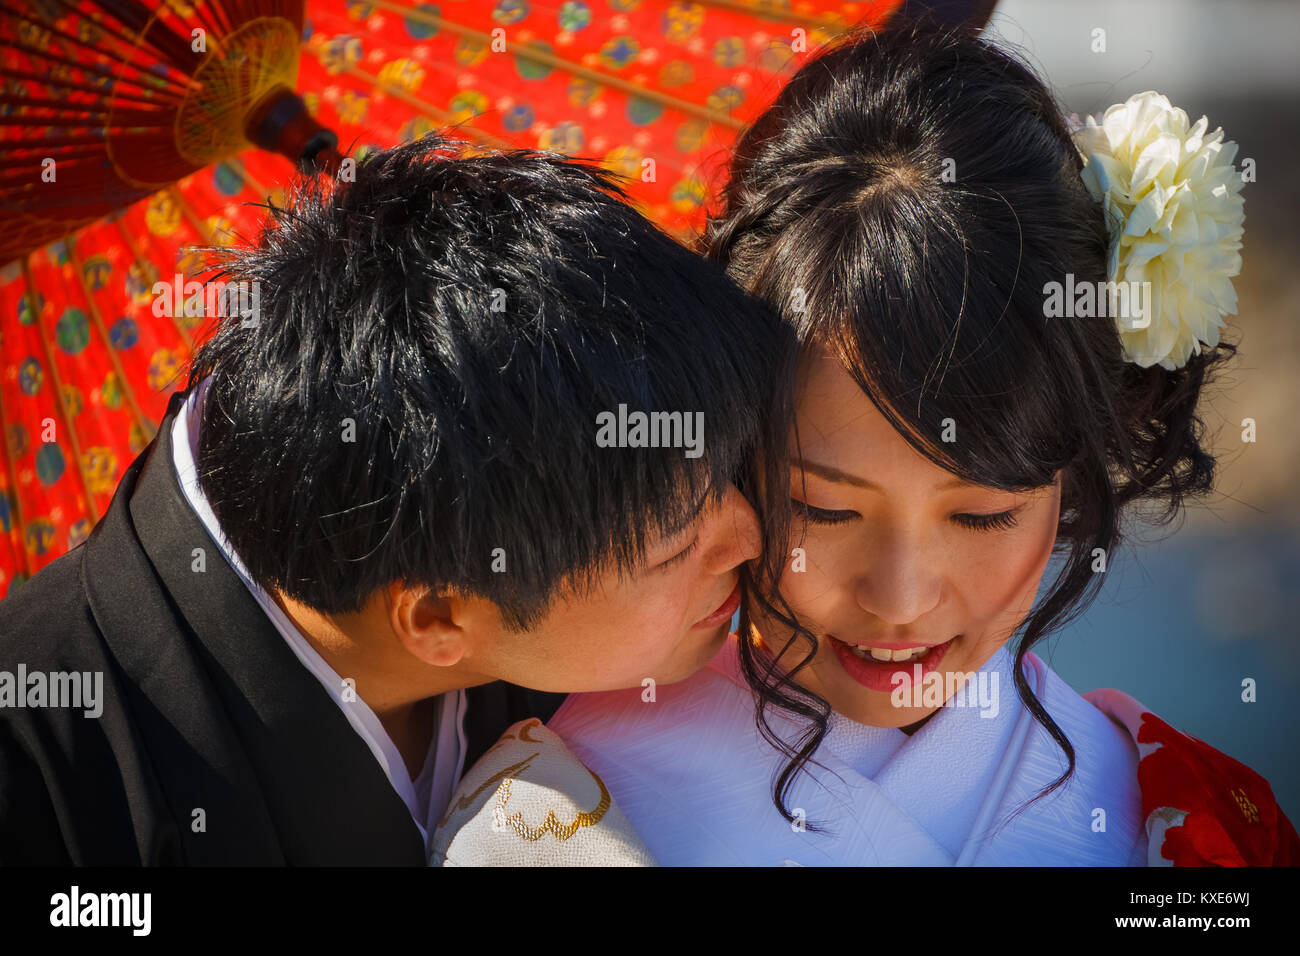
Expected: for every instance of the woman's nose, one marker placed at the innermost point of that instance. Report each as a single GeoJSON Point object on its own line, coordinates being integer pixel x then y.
{"type": "Point", "coordinates": [901, 579]}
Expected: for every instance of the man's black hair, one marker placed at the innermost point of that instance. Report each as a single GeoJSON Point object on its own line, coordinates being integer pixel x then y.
{"type": "Point", "coordinates": [464, 319]}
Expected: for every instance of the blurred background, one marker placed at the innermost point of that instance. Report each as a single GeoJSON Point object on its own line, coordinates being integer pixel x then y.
{"type": "Point", "coordinates": [1190, 611]}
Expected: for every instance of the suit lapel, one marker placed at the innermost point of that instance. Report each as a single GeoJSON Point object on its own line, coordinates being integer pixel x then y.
{"type": "Point", "coordinates": [229, 707]}
{"type": "Point", "coordinates": [182, 726]}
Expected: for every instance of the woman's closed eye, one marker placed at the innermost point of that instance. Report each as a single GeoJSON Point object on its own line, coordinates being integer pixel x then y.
{"type": "Point", "coordinates": [998, 521]}
{"type": "Point", "coordinates": [821, 515]}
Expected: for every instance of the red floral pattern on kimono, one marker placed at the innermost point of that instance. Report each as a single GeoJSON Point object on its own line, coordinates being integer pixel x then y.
{"type": "Point", "coordinates": [1201, 807]}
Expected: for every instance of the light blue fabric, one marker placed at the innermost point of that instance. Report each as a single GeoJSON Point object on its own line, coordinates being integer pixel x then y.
{"type": "Point", "coordinates": [694, 778]}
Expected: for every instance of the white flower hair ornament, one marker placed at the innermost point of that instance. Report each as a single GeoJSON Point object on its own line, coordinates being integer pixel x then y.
{"type": "Point", "coordinates": [1173, 205]}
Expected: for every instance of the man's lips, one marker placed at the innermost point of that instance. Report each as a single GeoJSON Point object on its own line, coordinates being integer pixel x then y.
{"type": "Point", "coordinates": [724, 612]}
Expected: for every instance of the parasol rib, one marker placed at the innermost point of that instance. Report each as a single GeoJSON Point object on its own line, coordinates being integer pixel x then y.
{"type": "Point", "coordinates": [59, 407]}
{"type": "Point", "coordinates": [192, 217]}
{"type": "Point", "coordinates": [764, 12]}
{"type": "Point", "coordinates": [250, 181]}
{"type": "Point", "coordinates": [530, 52]}
{"type": "Point", "coordinates": [442, 116]}
{"type": "Point", "coordinates": [16, 516]}
{"type": "Point", "coordinates": [147, 427]}
{"type": "Point", "coordinates": [143, 265]}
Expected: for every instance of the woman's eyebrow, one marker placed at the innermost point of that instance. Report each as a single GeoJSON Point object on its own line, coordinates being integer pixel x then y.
{"type": "Point", "coordinates": [843, 477]}
{"type": "Point", "coordinates": [833, 474]}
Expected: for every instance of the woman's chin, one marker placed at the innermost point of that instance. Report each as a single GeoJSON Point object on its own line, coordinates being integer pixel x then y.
{"type": "Point", "coordinates": [874, 709]}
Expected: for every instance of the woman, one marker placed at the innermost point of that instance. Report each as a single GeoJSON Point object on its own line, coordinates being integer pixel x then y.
{"type": "Point", "coordinates": [972, 397]}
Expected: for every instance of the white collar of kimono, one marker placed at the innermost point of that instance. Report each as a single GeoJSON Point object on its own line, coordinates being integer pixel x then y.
{"type": "Point", "coordinates": [694, 778]}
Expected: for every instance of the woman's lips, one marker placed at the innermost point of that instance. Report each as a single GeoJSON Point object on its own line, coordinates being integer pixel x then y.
{"type": "Point", "coordinates": [724, 612]}
{"type": "Point", "coordinates": [879, 675]}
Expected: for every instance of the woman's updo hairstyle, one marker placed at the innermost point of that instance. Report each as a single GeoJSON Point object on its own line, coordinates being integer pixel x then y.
{"type": "Point", "coordinates": [904, 202]}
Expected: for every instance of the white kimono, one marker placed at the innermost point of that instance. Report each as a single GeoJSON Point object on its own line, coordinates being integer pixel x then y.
{"type": "Point", "coordinates": [689, 781]}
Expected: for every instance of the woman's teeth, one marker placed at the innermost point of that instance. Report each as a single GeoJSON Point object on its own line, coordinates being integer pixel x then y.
{"type": "Point", "coordinates": [884, 654]}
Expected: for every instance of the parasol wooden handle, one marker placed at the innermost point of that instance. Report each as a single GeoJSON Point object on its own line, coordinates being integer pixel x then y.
{"type": "Point", "coordinates": [280, 123]}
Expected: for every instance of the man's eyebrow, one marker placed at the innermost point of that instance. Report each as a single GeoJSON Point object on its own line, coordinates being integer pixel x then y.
{"type": "Point", "coordinates": [844, 478]}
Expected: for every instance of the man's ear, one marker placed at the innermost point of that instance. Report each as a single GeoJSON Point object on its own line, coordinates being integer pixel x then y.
{"type": "Point", "coordinates": [425, 624]}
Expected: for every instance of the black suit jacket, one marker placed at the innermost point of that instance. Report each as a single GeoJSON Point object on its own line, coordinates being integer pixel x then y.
{"type": "Point", "coordinates": [205, 709]}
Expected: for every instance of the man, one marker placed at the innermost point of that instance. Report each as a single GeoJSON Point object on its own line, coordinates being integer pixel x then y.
{"type": "Point", "coordinates": [379, 498]}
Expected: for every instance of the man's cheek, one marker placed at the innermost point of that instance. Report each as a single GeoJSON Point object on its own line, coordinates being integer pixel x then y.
{"type": "Point", "coordinates": [665, 604]}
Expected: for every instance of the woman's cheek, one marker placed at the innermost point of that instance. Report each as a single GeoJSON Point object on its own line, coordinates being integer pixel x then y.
{"type": "Point", "coordinates": [812, 562]}
{"type": "Point", "coordinates": [1005, 593]}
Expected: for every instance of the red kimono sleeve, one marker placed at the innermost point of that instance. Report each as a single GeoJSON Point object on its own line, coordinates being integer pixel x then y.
{"type": "Point", "coordinates": [1201, 807]}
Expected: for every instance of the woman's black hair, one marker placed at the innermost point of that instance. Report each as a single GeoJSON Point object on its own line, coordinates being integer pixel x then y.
{"type": "Point", "coordinates": [930, 288]}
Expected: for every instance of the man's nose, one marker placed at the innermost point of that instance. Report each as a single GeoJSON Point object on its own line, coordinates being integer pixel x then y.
{"type": "Point", "coordinates": [735, 536]}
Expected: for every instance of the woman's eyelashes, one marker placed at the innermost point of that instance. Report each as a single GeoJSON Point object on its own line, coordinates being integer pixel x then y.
{"type": "Point", "coordinates": [1000, 521]}
{"type": "Point", "coordinates": [820, 515]}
